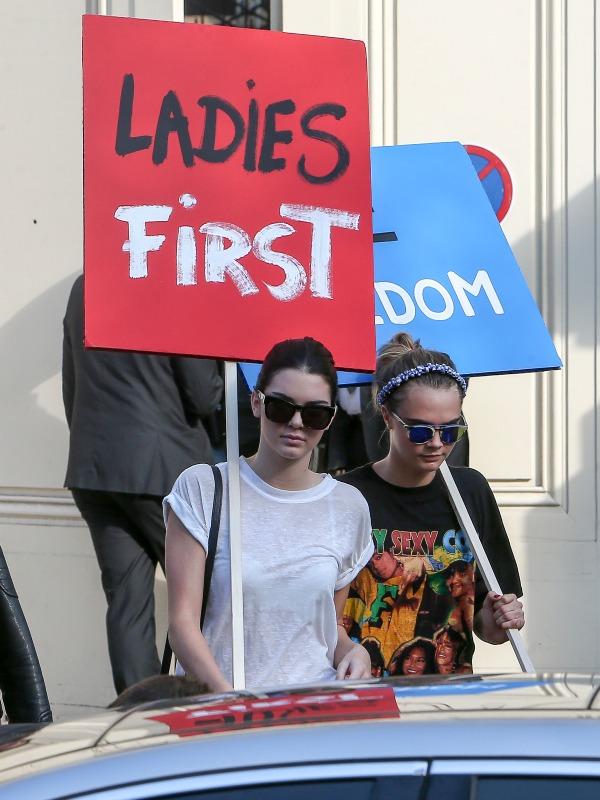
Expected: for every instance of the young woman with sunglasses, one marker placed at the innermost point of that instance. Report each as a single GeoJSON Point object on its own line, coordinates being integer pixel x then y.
{"type": "Point", "coordinates": [305, 537]}
{"type": "Point", "coordinates": [419, 394]}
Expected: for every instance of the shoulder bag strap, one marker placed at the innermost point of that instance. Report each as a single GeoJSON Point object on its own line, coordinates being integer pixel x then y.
{"type": "Point", "coordinates": [213, 536]}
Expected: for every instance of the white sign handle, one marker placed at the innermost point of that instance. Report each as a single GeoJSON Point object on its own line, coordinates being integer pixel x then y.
{"type": "Point", "coordinates": [235, 528]}
{"type": "Point", "coordinates": [483, 563]}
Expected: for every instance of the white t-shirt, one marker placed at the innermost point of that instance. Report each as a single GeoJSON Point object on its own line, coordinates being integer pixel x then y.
{"type": "Point", "coordinates": [297, 549]}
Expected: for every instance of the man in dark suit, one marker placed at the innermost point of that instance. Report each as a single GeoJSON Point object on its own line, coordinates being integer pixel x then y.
{"type": "Point", "coordinates": [135, 423]}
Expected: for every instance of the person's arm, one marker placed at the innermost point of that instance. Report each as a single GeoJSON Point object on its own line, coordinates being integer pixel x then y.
{"type": "Point", "coordinates": [499, 613]}
{"type": "Point", "coordinates": [350, 660]}
{"type": "Point", "coordinates": [200, 385]}
{"type": "Point", "coordinates": [494, 613]}
{"type": "Point", "coordinates": [185, 561]}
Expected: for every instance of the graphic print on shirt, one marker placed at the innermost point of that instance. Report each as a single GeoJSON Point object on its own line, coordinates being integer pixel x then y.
{"type": "Point", "coordinates": [412, 607]}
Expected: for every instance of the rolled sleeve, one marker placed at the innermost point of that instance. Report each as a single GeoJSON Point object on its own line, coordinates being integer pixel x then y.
{"type": "Point", "coordinates": [185, 500]}
{"type": "Point", "coordinates": [363, 547]}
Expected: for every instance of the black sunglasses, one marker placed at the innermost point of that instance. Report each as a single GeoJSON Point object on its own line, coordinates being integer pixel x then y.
{"type": "Point", "coordinates": [419, 434]}
{"type": "Point", "coordinates": [279, 410]}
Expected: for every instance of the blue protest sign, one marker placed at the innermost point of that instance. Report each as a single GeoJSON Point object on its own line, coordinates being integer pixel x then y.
{"type": "Point", "coordinates": [450, 277]}
{"type": "Point", "coordinates": [444, 271]}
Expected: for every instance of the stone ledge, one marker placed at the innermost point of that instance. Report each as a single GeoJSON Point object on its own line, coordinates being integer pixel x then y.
{"type": "Point", "coordinates": [32, 507]}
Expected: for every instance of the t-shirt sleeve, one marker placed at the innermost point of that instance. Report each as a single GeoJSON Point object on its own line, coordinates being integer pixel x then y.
{"type": "Point", "coordinates": [493, 535]}
{"type": "Point", "coordinates": [361, 549]}
{"type": "Point", "coordinates": [187, 500]}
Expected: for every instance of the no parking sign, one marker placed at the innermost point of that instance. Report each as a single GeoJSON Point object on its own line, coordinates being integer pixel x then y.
{"type": "Point", "coordinates": [494, 176]}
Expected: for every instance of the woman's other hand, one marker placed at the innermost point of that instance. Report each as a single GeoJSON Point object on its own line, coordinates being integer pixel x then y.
{"type": "Point", "coordinates": [355, 665]}
{"type": "Point", "coordinates": [499, 613]}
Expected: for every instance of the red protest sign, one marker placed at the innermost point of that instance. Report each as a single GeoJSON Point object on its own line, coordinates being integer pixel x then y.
{"type": "Point", "coordinates": [226, 190]}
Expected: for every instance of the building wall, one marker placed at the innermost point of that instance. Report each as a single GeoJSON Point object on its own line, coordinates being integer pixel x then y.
{"type": "Point", "coordinates": [518, 78]}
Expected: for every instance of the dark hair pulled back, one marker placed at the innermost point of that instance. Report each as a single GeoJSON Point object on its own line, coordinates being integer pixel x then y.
{"type": "Point", "coordinates": [307, 354]}
{"type": "Point", "coordinates": [403, 353]}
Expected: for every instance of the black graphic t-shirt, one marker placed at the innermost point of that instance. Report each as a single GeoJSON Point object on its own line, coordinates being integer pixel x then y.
{"type": "Point", "coordinates": [413, 605]}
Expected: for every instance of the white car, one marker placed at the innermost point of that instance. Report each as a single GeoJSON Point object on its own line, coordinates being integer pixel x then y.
{"type": "Point", "coordinates": [519, 737]}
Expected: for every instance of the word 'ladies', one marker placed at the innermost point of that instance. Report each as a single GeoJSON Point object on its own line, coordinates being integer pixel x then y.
{"type": "Point", "coordinates": [258, 153]}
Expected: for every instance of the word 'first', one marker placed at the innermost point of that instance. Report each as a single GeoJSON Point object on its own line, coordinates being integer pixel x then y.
{"type": "Point", "coordinates": [221, 261]}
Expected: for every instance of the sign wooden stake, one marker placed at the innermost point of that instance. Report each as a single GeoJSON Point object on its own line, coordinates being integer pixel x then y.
{"type": "Point", "coordinates": [235, 528]}
{"type": "Point", "coordinates": [483, 563]}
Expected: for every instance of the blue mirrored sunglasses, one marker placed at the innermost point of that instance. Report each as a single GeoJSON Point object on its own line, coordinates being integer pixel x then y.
{"type": "Point", "coordinates": [421, 433]}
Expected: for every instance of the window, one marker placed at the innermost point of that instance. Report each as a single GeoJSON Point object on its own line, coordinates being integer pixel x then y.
{"type": "Point", "coordinates": [473, 787]}
{"type": "Point", "coordinates": [386, 788]}
{"type": "Point", "coordinates": [542, 788]}
{"type": "Point", "coordinates": [239, 13]}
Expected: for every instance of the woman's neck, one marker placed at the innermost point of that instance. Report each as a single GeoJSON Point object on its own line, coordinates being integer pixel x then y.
{"type": "Point", "coordinates": [396, 473]}
{"type": "Point", "coordinates": [283, 473]}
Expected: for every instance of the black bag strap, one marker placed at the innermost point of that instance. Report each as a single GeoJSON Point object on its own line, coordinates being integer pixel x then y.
{"type": "Point", "coordinates": [213, 536]}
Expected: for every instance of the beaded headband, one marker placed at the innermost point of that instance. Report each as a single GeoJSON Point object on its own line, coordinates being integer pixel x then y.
{"type": "Point", "coordinates": [417, 372]}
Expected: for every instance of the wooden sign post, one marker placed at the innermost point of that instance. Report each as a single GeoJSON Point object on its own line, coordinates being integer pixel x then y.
{"type": "Point", "coordinates": [235, 528]}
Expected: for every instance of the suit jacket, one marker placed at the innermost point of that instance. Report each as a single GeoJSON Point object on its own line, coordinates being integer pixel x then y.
{"type": "Point", "coordinates": [134, 419]}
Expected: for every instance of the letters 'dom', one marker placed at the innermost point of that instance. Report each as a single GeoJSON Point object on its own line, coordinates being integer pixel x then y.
{"type": "Point", "coordinates": [227, 191]}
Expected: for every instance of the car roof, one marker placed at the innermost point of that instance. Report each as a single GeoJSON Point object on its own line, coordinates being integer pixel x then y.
{"type": "Point", "coordinates": [508, 715]}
